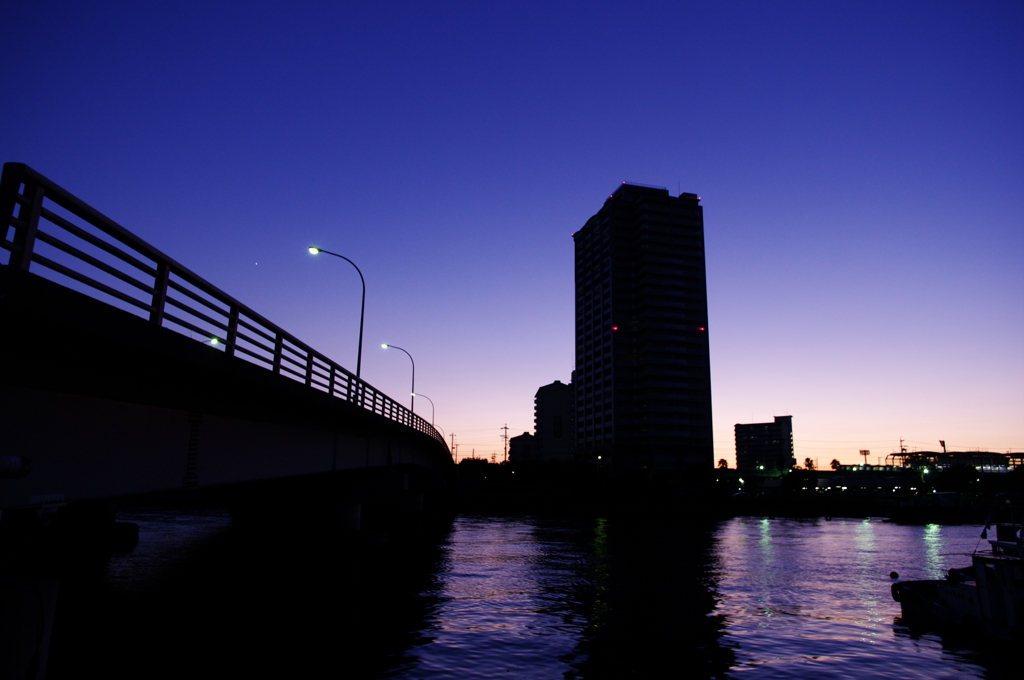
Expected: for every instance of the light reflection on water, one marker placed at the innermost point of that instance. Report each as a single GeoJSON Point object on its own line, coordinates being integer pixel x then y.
{"type": "Point", "coordinates": [933, 544]}
{"type": "Point", "coordinates": [537, 598]}
{"type": "Point", "coordinates": [505, 604]}
{"type": "Point", "coordinates": [821, 606]}
{"type": "Point", "coordinates": [797, 598]}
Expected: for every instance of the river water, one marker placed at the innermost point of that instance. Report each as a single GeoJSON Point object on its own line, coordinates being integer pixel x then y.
{"type": "Point", "coordinates": [516, 597]}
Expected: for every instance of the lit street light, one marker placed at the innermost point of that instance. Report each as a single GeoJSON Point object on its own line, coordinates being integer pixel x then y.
{"type": "Point", "coordinates": [431, 407]}
{"type": "Point", "coordinates": [362, 309]}
{"type": "Point", "coordinates": [412, 402]}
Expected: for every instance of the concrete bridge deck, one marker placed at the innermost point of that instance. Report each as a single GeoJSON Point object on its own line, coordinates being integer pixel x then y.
{"type": "Point", "coordinates": [103, 392]}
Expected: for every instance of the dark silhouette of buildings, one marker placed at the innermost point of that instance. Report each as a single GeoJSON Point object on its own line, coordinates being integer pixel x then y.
{"type": "Point", "coordinates": [643, 379]}
{"type": "Point", "coordinates": [522, 449]}
{"type": "Point", "coordinates": [554, 427]}
{"type": "Point", "coordinates": [554, 421]}
{"type": "Point", "coordinates": [767, 446]}
{"type": "Point", "coordinates": [982, 461]}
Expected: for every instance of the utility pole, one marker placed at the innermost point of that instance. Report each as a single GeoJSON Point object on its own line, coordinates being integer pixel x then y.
{"type": "Point", "coordinates": [455, 450]}
{"type": "Point", "coordinates": [505, 437]}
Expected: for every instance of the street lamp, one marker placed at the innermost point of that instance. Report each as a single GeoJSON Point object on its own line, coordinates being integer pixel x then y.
{"type": "Point", "coordinates": [362, 309]}
{"type": "Point", "coordinates": [412, 401]}
{"type": "Point", "coordinates": [431, 407]}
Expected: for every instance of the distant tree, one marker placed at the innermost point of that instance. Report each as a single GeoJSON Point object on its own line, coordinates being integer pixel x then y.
{"type": "Point", "coordinates": [723, 464]}
{"type": "Point", "coordinates": [835, 464]}
{"type": "Point", "coordinates": [808, 463]}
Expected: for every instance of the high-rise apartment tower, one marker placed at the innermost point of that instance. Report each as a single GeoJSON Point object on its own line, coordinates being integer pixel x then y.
{"type": "Point", "coordinates": [643, 377]}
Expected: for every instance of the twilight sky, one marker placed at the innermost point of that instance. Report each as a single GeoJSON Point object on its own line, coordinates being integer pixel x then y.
{"type": "Point", "coordinates": [861, 166]}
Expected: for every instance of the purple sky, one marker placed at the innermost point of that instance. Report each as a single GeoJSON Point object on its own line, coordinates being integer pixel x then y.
{"type": "Point", "coordinates": [861, 166]}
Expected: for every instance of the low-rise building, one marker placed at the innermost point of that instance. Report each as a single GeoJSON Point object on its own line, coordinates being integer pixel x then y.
{"type": "Point", "coordinates": [765, 446]}
{"type": "Point", "coordinates": [553, 422]}
{"type": "Point", "coordinates": [522, 449]}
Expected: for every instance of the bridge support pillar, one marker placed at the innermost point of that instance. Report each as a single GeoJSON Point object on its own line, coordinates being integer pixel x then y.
{"type": "Point", "coordinates": [39, 547]}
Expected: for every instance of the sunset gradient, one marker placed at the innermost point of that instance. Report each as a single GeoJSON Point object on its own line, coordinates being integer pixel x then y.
{"type": "Point", "coordinates": [861, 168]}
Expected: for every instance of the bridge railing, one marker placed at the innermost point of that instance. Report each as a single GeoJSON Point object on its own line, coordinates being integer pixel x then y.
{"type": "Point", "coordinates": [80, 248]}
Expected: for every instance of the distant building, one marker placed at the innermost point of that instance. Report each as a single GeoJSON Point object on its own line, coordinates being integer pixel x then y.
{"type": "Point", "coordinates": [643, 377]}
{"type": "Point", "coordinates": [767, 446]}
{"type": "Point", "coordinates": [554, 422]}
{"type": "Point", "coordinates": [522, 449]}
{"type": "Point", "coordinates": [982, 461]}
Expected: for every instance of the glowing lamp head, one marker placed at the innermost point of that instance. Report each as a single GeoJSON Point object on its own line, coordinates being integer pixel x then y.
{"type": "Point", "coordinates": [214, 341]}
{"type": "Point", "coordinates": [314, 251]}
{"type": "Point", "coordinates": [384, 345]}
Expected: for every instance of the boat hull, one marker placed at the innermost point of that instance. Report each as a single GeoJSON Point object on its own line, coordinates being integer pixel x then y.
{"type": "Point", "coordinates": [951, 605]}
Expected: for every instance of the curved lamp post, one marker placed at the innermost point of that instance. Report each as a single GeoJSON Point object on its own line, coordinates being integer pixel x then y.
{"type": "Point", "coordinates": [431, 407]}
{"type": "Point", "coordinates": [436, 427]}
{"type": "Point", "coordinates": [412, 402]}
{"type": "Point", "coordinates": [362, 309]}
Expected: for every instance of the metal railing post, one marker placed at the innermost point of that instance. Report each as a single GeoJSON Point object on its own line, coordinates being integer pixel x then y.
{"type": "Point", "coordinates": [232, 339]}
{"type": "Point", "coordinates": [163, 275]}
{"type": "Point", "coordinates": [10, 187]}
{"type": "Point", "coordinates": [28, 216]}
{"type": "Point", "coordinates": [278, 349]}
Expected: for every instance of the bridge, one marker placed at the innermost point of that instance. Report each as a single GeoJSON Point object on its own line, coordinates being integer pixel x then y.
{"type": "Point", "coordinates": [124, 373]}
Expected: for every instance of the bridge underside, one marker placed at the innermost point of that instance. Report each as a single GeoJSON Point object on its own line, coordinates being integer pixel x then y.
{"type": "Point", "coordinates": [97, 403]}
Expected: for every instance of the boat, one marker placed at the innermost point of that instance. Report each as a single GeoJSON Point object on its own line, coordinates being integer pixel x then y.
{"type": "Point", "coordinates": [986, 597]}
